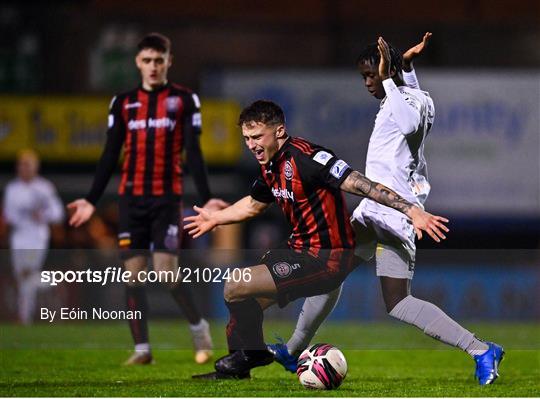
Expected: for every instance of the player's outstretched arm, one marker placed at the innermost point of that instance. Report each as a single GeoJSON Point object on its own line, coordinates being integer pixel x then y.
{"type": "Point", "coordinates": [206, 220]}
{"type": "Point", "coordinates": [82, 211]}
{"type": "Point", "coordinates": [409, 74]}
{"type": "Point", "coordinates": [406, 113]}
{"type": "Point", "coordinates": [216, 204]}
{"type": "Point", "coordinates": [357, 183]}
{"type": "Point", "coordinates": [415, 52]}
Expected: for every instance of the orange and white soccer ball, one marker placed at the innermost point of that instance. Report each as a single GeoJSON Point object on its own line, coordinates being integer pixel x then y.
{"type": "Point", "coordinates": [321, 366]}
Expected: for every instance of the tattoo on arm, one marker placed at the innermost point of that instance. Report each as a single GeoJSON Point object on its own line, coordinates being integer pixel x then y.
{"type": "Point", "coordinates": [357, 183]}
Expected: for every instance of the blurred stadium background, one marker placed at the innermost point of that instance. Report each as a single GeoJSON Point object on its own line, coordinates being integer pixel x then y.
{"type": "Point", "coordinates": [61, 64]}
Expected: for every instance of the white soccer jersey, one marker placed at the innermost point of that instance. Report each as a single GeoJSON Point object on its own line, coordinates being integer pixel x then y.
{"type": "Point", "coordinates": [396, 148]}
{"type": "Point", "coordinates": [29, 208]}
{"type": "Point", "coordinates": [395, 154]}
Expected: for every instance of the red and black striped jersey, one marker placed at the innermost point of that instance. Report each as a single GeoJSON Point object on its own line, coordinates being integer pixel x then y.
{"type": "Point", "coordinates": [153, 124]}
{"type": "Point", "coordinates": [304, 179]}
{"type": "Point", "coordinates": [152, 127]}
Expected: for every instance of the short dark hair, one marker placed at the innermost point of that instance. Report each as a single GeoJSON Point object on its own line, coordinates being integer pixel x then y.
{"type": "Point", "coordinates": [262, 111]}
{"type": "Point", "coordinates": [155, 41]}
{"type": "Point", "coordinates": [370, 55]}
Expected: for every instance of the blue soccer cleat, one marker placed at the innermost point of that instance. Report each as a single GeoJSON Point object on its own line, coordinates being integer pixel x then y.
{"type": "Point", "coordinates": [487, 364]}
{"type": "Point", "coordinates": [283, 357]}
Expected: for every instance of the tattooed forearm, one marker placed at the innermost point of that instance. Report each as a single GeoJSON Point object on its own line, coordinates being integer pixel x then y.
{"type": "Point", "coordinates": [357, 183]}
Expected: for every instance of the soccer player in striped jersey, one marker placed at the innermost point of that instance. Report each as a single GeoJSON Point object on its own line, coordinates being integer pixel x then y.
{"type": "Point", "coordinates": [307, 182]}
{"type": "Point", "coordinates": [153, 123]}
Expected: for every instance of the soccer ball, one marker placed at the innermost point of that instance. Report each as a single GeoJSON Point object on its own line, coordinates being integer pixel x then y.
{"type": "Point", "coordinates": [321, 366]}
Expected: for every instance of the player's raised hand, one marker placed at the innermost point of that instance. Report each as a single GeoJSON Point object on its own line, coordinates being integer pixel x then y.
{"type": "Point", "coordinates": [82, 211]}
{"type": "Point", "coordinates": [201, 223]}
{"type": "Point", "coordinates": [384, 63]}
{"type": "Point", "coordinates": [431, 224]}
{"type": "Point", "coordinates": [415, 51]}
{"type": "Point", "coordinates": [216, 204]}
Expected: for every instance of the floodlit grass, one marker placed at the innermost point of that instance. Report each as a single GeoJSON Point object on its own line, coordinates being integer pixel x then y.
{"type": "Point", "coordinates": [391, 359]}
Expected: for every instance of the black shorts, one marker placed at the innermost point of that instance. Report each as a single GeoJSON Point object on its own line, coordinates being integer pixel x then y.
{"type": "Point", "coordinates": [302, 273]}
{"type": "Point", "coordinates": [149, 224]}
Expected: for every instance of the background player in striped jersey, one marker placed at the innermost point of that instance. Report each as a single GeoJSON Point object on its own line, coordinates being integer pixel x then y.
{"type": "Point", "coordinates": [154, 123]}
{"type": "Point", "coordinates": [306, 181]}
{"type": "Point", "coordinates": [396, 158]}
{"type": "Point", "coordinates": [31, 205]}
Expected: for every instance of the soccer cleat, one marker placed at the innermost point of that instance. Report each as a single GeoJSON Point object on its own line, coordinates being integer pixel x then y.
{"type": "Point", "coordinates": [240, 362]}
{"type": "Point", "coordinates": [487, 364]}
{"type": "Point", "coordinates": [217, 375]}
{"type": "Point", "coordinates": [202, 343]}
{"type": "Point", "coordinates": [283, 357]}
{"type": "Point", "coordinates": [139, 358]}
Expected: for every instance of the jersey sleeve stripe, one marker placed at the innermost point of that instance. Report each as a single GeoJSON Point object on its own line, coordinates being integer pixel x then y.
{"type": "Point", "coordinates": [301, 147]}
{"type": "Point", "coordinates": [306, 143]}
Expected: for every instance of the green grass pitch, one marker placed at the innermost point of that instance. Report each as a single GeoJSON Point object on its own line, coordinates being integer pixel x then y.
{"type": "Point", "coordinates": [390, 359]}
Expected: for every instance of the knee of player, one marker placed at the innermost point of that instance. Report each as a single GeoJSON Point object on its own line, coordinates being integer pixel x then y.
{"type": "Point", "coordinates": [233, 291]}
{"type": "Point", "coordinates": [392, 302]}
{"type": "Point", "coordinates": [164, 267]}
{"type": "Point", "coordinates": [389, 308]}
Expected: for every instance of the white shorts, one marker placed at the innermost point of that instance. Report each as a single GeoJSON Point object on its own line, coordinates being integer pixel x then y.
{"type": "Point", "coordinates": [393, 262]}
{"type": "Point", "coordinates": [386, 234]}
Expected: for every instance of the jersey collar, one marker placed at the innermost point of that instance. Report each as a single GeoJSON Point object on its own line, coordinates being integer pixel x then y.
{"type": "Point", "coordinates": [158, 90]}
{"type": "Point", "coordinates": [278, 154]}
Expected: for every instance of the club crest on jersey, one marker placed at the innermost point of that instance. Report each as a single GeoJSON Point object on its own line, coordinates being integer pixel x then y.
{"type": "Point", "coordinates": [282, 269]}
{"type": "Point", "coordinates": [288, 171]}
{"type": "Point", "coordinates": [172, 103]}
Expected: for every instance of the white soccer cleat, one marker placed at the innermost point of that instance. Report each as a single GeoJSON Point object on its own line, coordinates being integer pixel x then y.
{"type": "Point", "coordinates": [202, 342]}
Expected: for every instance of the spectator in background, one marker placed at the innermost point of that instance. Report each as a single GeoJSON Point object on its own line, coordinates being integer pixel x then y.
{"type": "Point", "coordinates": [31, 204]}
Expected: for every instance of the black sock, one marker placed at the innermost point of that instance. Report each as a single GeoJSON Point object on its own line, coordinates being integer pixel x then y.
{"type": "Point", "coordinates": [183, 295]}
{"type": "Point", "coordinates": [244, 330]}
{"type": "Point", "coordinates": [234, 342]}
{"type": "Point", "coordinates": [136, 301]}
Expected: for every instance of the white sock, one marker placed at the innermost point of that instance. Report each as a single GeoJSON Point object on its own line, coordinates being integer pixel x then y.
{"type": "Point", "coordinates": [314, 312]}
{"type": "Point", "coordinates": [142, 348]}
{"type": "Point", "coordinates": [200, 326]}
{"type": "Point", "coordinates": [27, 294]}
{"type": "Point", "coordinates": [477, 347]}
{"type": "Point", "coordinates": [435, 323]}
